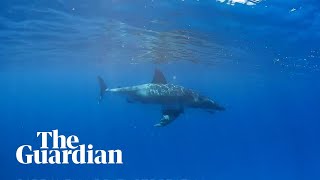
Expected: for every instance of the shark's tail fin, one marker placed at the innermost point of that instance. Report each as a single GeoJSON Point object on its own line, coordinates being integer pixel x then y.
{"type": "Point", "coordinates": [103, 88]}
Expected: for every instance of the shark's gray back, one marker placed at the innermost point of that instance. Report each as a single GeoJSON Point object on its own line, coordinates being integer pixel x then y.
{"type": "Point", "coordinates": [165, 93]}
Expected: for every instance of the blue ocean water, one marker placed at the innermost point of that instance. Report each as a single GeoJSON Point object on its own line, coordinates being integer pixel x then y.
{"type": "Point", "coordinates": [259, 59]}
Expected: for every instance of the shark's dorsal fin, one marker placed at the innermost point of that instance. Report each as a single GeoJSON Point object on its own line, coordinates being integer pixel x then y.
{"type": "Point", "coordinates": [158, 77]}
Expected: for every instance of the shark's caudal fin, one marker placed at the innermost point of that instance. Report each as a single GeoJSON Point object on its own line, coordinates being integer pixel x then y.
{"type": "Point", "coordinates": [158, 77]}
{"type": "Point", "coordinates": [103, 88]}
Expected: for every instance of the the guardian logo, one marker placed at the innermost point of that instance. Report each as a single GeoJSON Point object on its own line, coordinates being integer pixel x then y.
{"type": "Point", "coordinates": [65, 150]}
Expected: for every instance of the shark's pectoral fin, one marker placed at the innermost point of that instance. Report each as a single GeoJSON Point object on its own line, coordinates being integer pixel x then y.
{"type": "Point", "coordinates": [169, 115]}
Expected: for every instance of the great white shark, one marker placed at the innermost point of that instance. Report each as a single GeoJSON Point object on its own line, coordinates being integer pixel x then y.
{"type": "Point", "coordinates": [173, 98]}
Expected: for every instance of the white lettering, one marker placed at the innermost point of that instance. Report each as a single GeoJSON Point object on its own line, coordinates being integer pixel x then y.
{"type": "Point", "coordinates": [63, 149]}
{"type": "Point", "coordinates": [111, 156]}
{"type": "Point", "coordinates": [44, 138]}
{"type": "Point", "coordinates": [19, 155]}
